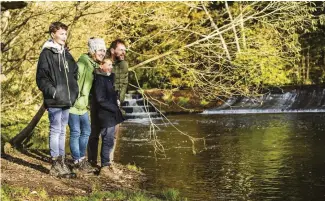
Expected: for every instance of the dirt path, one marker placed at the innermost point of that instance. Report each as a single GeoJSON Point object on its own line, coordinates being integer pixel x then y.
{"type": "Point", "coordinates": [31, 169]}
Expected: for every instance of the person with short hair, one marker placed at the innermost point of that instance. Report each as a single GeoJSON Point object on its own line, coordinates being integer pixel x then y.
{"type": "Point", "coordinates": [117, 53]}
{"type": "Point", "coordinates": [56, 77]}
{"type": "Point", "coordinates": [106, 113]}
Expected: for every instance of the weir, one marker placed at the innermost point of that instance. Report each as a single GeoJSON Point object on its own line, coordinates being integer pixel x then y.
{"type": "Point", "coordinates": [305, 99]}
{"type": "Point", "coordinates": [136, 107]}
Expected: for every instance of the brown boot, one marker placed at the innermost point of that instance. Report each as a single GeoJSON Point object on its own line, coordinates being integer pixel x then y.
{"type": "Point", "coordinates": [66, 170]}
{"type": "Point", "coordinates": [107, 171]}
{"type": "Point", "coordinates": [85, 167]}
{"type": "Point", "coordinates": [56, 168]}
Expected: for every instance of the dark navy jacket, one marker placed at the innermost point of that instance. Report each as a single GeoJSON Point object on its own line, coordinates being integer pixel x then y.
{"type": "Point", "coordinates": [104, 106]}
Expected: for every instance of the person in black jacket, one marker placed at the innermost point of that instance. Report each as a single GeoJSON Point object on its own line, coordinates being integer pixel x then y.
{"type": "Point", "coordinates": [105, 113]}
{"type": "Point", "coordinates": [56, 77]}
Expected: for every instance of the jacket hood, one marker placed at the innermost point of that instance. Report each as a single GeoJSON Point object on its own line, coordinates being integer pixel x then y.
{"type": "Point", "coordinates": [87, 57]}
{"type": "Point", "coordinates": [56, 48]}
{"type": "Point", "coordinates": [99, 71]}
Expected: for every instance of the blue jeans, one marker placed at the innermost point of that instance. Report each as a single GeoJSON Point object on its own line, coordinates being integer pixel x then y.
{"type": "Point", "coordinates": [79, 134]}
{"type": "Point", "coordinates": [58, 121]}
{"type": "Point", "coordinates": [108, 135]}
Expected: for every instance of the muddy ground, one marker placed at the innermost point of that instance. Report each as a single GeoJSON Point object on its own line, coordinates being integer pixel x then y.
{"type": "Point", "coordinates": [30, 168]}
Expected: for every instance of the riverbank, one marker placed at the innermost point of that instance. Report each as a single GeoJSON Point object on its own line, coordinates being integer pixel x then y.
{"type": "Point", "coordinates": [25, 176]}
{"type": "Point", "coordinates": [179, 101]}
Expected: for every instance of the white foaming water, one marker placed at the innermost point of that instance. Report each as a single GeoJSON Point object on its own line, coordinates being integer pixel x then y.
{"type": "Point", "coordinates": [266, 111]}
{"type": "Point", "coordinates": [295, 101]}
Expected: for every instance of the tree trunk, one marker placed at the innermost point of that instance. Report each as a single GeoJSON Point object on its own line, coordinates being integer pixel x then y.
{"type": "Point", "coordinates": [233, 27]}
{"type": "Point", "coordinates": [26, 133]}
{"type": "Point", "coordinates": [242, 27]}
{"type": "Point", "coordinates": [214, 25]}
{"type": "Point", "coordinates": [303, 64]}
{"type": "Point", "coordinates": [324, 59]}
{"type": "Point", "coordinates": [307, 65]}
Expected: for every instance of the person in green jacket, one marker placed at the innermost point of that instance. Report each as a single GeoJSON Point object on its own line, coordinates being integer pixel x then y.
{"type": "Point", "coordinates": [78, 117]}
{"type": "Point", "coordinates": [117, 53]}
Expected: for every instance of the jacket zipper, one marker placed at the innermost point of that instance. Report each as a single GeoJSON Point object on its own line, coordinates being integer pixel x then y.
{"type": "Point", "coordinates": [66, 76]}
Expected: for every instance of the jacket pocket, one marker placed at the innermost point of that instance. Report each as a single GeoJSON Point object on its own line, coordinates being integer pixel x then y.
{"type": "Point", "coordinates": [81, 102]}
{"type": "Point", "coordinates": [49, 93]}
{"type": "Point", "coordinates": [61, 95]}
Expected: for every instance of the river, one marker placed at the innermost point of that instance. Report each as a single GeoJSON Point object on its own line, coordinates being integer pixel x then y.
{"type": "Point", "coordinates": [245, 156]}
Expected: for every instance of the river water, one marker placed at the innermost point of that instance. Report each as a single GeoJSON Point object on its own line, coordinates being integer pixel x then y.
{"type": "Point", "coordinates": [245, 156]}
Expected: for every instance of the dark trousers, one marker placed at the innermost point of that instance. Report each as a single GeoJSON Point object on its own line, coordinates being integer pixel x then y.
{"type": "Point", "coordinates": [108, 135]}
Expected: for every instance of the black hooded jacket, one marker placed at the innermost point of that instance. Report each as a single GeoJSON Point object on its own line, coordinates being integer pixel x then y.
{"type": "Point", "coordinates": [104, 109]}
{"type": "Point", "coordinates": [56, 77]}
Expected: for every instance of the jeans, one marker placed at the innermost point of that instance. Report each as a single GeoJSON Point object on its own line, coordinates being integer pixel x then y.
{"type": "Point", "coordinates": [58, 118]}
{"type": "Point", "coordinates": [79, 134]}
{"type": "Point", "coordinates": [108, 140]}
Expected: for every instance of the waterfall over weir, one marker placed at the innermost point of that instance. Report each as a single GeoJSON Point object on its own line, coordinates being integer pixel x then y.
{"type": "Point", "coordinates": [305, 99]}
{"type": "Point", "coordinates": [136, 107]}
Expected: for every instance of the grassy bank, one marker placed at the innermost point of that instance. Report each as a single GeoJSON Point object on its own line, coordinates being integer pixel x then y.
{"type": "Point", "coordinates": [9, 193]}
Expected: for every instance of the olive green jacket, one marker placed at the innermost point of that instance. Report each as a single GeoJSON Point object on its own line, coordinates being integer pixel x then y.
{"type": "Point", "coordinates": [121, 78]}
{"type": "Point", "coordinates": [86, 67]}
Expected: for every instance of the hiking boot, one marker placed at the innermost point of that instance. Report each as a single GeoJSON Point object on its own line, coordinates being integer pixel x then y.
{"type": "Point", "coordinates": [85, 166]}
{"type": "Point", "coordinates": [66, 171]}
{"type": "Point", "coordinates": [94, 164]}
{"type": "Point", "coordinates": [56, 169]}
{"type": "Point", "coordinates": [107, 172]}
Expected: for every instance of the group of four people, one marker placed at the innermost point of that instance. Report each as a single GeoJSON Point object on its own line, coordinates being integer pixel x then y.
{"type": "Point", "coordinates": [68, 86]}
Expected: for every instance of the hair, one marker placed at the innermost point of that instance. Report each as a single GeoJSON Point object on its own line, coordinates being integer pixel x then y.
{"type": "Point", "coordinates": [114, 45]}
{"type": "Point", "coordinates": [54, 26]}
{"type": "Point", "coordinates": [116, 42]}
{"type": "Point", "coordinates": [105, 60]}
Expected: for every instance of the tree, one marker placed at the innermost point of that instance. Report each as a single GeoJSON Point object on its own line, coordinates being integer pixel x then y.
{"type": "Point", "coordinates": [219, 49]}
{"type": "Point", "coordinates": [24, 136]}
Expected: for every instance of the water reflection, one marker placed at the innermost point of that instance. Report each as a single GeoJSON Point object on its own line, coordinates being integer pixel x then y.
{"type": "Point", "coordinates": [247, 157]}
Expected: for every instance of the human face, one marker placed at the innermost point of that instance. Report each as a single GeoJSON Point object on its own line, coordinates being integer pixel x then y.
{"type": "Point", "coordinates": [119, 52]}
{"type": "Point", "coordinates": [60, 36]}
{"type": "Point", "coordinates": [100, 54]}
{"type": "Point", "coordinates": [107, 67]}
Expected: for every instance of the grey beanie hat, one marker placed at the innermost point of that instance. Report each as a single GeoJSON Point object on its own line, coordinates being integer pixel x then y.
{"type": "Point", "coordinates": [96, 44]}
